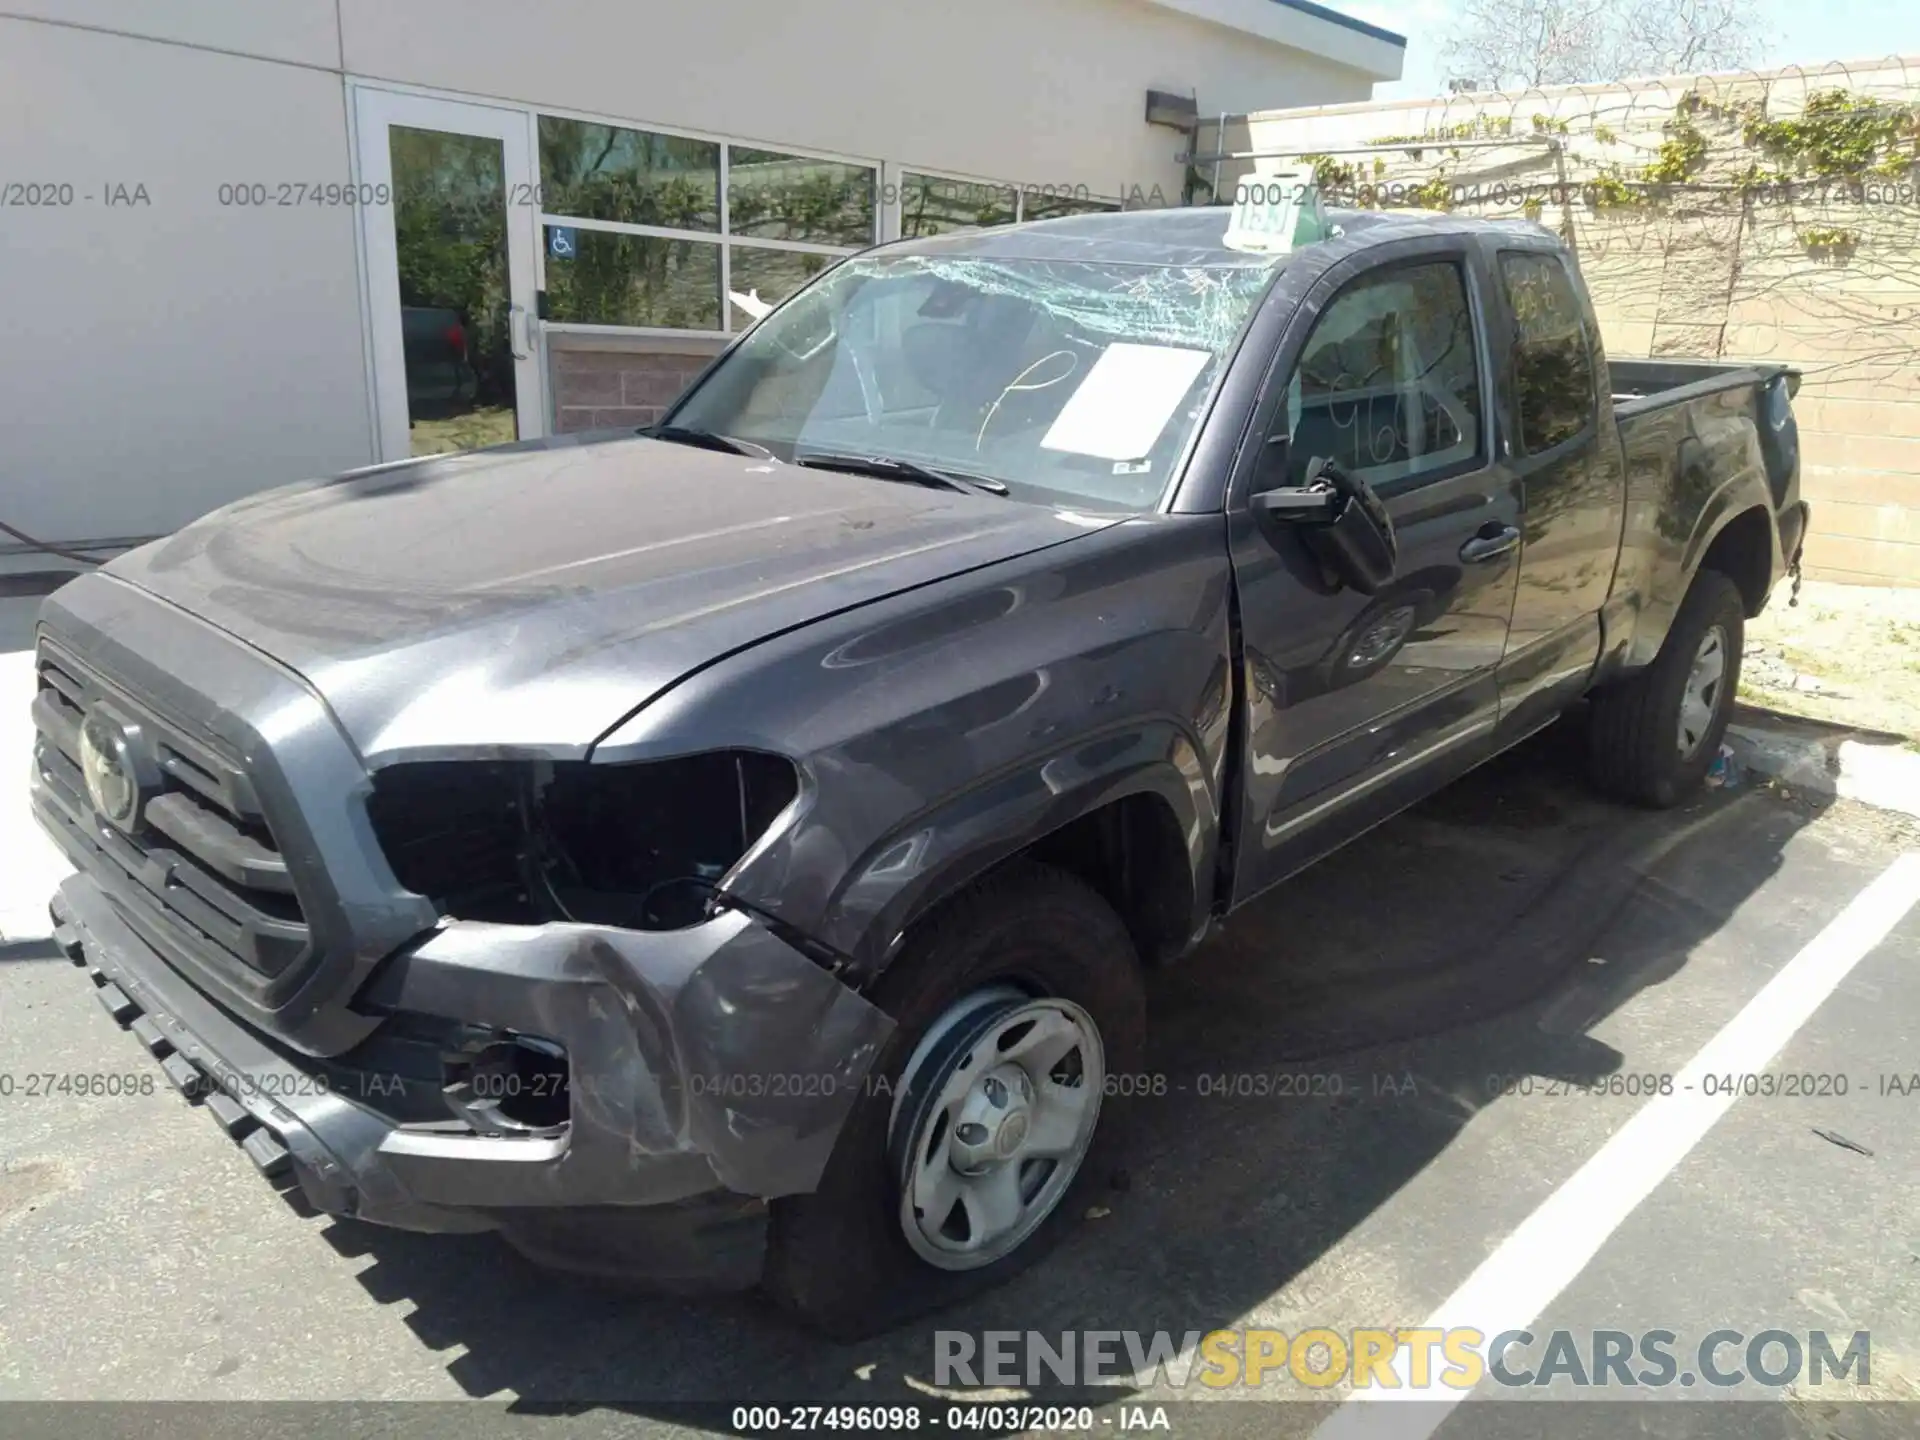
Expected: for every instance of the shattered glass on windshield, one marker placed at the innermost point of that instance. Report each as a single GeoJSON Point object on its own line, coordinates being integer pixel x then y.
{"type": "Point", "coordinates": [1196, 306]}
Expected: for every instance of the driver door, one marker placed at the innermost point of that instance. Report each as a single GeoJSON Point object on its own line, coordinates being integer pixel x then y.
{"type": "Point", "coordinates": [1358, 705]}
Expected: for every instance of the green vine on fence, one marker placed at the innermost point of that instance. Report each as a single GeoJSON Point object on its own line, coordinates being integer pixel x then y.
{"type": "Point", "coordinates": [1682, 155]}
{"type": "Point", "coordinates": [1331, 175]}
{"type": "Point", "coordinates": [1840, 136]}
{"type": "Point", "coordinates": [1836, 136]}
{"type": "Point", "coordinates": [1481, 127]}
{"type": "Point", "coordinates": [1825, 242]}
{"type": "Point", "coordinates": [1611, 189]}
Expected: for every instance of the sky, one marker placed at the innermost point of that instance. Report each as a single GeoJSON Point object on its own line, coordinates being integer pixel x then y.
{"type": "Point", "coordinates": [1803, 32]}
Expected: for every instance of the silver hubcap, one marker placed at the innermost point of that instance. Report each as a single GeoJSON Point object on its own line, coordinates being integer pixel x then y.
{"type": "Point", "coordinates": [1012, 1117]}
{"type": "Point", "coordinates": [1701, 699]}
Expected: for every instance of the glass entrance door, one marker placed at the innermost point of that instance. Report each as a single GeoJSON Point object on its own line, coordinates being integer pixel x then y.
{"type": "Point", "coordinates": [450, 273]}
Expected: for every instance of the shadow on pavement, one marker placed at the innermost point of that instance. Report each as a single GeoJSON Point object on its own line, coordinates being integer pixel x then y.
{"type": "Point", "coordinates": [33, 584]}
{"type": "Point", "coordinates": [42, 948]}
{"type": "Point", "coordinates": [1460, 941]}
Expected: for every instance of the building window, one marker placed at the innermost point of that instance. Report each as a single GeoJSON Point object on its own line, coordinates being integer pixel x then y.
{"type": "Point", "coordinates": [937, 204]}
{"type": "Point", "coordinates": [644, 230]}
{"type": "Point", "coordinates": [934, 205]}
{"type": "Point", "coordinates": [652, 231]}
{"type": "Point", "coordinates": [1051, 204]}
{"type": "Point", "coordinates": [771, 196]}
{"type": "Point", "coordinates": [770, 276]}
{"type": "Point", "coordinates": [643, 281]}
{"type": "Point", "coordinates": [603, 172]}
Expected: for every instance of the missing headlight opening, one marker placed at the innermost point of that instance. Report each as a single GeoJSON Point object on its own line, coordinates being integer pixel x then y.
{"type": "Point", "coordinates": [638, 846]}
{"type": "Point", "coordinates": [510, 1084]}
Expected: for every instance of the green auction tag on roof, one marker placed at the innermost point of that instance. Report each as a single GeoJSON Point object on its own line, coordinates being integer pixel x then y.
{"type": "Point", "coordinates": [1276, 213]}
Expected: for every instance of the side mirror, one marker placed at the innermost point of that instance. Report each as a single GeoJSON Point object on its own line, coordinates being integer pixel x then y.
{"type": "Point", "coordinates": [1341, 521]}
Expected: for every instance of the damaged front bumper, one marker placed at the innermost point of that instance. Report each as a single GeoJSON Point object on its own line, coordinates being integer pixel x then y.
{"type": "Point", "coordinates": [709, 1070]}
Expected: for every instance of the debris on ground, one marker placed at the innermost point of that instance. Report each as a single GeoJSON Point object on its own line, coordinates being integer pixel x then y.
{"type": "Point", "coordinates": [1834, 1137]}
{"type": "Point", "coordinates": [1725, 773]}
{"type": "Point", "coordinates": [1847, 654]}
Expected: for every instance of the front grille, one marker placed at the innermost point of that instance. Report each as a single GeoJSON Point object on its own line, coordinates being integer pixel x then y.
{"type": "Point", "coordinates": [202, 862]}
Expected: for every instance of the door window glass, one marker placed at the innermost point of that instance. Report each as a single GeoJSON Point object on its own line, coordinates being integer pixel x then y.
{"type": "Point", "coordinates": [1389, 384]}
{"type": "Point", "coordinates": [450, 237]}
{"type": "Point", "coordinates": [1552, 367]}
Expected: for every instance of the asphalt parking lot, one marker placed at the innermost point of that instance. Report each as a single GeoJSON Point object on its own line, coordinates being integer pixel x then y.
{"type": "Point", "coordinates": [1454, 993]}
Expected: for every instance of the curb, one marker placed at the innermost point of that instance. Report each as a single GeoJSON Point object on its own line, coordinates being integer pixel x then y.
{"type": "Point", "coordinates": [1826, 762]}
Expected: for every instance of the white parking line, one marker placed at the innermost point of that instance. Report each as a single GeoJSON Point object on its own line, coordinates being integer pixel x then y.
{"type": "Point", "coordinates": [1516, 1283]}
{"type": "Point", "coordinates": [30, 866]}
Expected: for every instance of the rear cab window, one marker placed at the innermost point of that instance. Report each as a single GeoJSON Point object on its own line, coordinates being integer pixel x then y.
{"type": "Point", "coordinates": [1553, 394]}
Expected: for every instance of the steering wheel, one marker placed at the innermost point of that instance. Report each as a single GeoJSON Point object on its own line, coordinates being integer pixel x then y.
{"type": "Point", "coordinates": [1020, 382]}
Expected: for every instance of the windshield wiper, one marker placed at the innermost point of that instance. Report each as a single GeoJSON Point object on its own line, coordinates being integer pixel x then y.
{"type": "Point", "coordinates": [892, 467]}
{"type": "Point", "coordinates": [706, 440]}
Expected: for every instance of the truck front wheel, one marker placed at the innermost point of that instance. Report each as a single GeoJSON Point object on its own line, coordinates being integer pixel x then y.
{"type": "Point", "coordinates": [1652, 738]}
{"type": "Point", "coordinates": [988, 1118]}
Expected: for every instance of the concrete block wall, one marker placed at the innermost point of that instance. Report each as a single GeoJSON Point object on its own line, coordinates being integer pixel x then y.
{"type": "Point", "coordinates": [1707, 269]}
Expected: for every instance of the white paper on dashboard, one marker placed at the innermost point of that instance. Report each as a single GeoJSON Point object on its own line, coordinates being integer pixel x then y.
{"type": "Point", "coordinates": [1125, 402]}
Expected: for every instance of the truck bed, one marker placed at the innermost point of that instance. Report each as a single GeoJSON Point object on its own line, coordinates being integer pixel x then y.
{"type": "Point", "coordinates": [1642, 385]}
{"type": "Point", "coordinates": [1710, 420]}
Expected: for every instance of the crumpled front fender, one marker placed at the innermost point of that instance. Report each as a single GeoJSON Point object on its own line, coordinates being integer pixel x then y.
{"type": "Point", "coordinates": [718, 1043]}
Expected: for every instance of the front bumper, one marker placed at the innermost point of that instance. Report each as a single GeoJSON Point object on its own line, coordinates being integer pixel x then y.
{"type": "Point", "coordinates": [710, 1071]}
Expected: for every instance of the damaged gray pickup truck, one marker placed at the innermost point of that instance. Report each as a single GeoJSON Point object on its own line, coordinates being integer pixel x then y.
{"type": "Point", "coordinates": [730, 855]}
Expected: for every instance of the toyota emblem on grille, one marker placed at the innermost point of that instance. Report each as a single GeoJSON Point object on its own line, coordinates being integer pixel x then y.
{"type": "Point", "coordinates": [110, 768]}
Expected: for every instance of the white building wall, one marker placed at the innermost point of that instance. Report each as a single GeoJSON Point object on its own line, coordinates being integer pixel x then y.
{"type": "Point", "coordinates": [1028, 91]}
{"type": "Point", "coordinates": [302, 32]}
{"type": "Point", "coordinates": [161, 359]}
{"type": "Point", "coordinates": [164, 358]}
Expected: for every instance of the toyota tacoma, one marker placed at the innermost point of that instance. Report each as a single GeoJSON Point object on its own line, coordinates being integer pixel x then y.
{"type": "Point", "coordinates": [729, 854]}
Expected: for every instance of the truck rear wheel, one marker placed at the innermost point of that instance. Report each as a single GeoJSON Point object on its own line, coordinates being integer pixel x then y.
{"type": "Point", "coordinates": [988, 1118]}
{"type": "Point", "coordinates": [1652, 738]}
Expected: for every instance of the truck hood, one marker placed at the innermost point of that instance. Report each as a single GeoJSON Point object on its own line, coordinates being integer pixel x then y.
{"type": "Point", "coordinates": [523, 601]}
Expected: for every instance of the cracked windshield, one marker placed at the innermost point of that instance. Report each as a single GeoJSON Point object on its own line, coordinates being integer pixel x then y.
{"type": "Point", "coordinates": [1064, 381]}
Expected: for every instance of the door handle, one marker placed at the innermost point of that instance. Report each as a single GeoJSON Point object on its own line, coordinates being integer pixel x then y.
{"type": "Point", "coordinates": [1490, 544]}
{"type": "Point", "coordinates": [519, 313]}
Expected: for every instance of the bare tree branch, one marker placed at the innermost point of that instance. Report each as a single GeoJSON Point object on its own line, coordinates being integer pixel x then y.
{"type": "Point", "coordinates": [1681, 37]}
{"type": "Point", "coordinates": [1515, 44]}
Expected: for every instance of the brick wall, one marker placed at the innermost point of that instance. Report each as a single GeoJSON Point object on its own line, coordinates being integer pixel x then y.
{"type": "Point", "coordinates": [604, 386]}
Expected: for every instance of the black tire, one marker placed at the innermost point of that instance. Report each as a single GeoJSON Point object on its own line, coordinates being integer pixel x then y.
{"type": "Point", "coordinates": [1632, 735]}
{"type": "Point", "coordinates": [837, 1258]}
